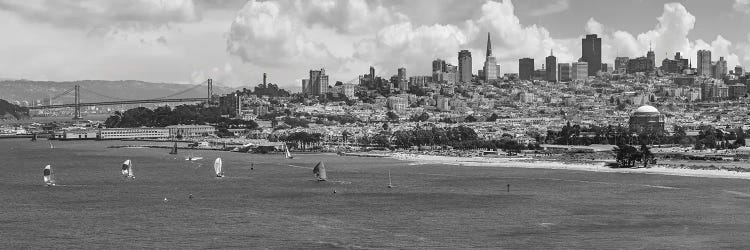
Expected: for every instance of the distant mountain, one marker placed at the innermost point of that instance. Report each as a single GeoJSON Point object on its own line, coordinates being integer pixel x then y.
{"type": "Point", "coordinates": [97, 90]}
{"type": "Point", "coordinates": [9, 111]}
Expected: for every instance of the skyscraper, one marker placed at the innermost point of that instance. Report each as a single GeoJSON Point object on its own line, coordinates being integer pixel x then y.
{"type": "Point", "coordinates": [490, 65]}
{"type": "Point", "coordinates": [525, 68]}
{"type": "Point", "coordinates": [551, 61]}
{"type": "Point", "coordinates": [464, 66]}
{"type": "Point", "coordinates": [591, 51]}
{"type": "Point", "coordinates": [721, 68]}
{"type": "Point", "coordinates": [651, 56]}
{"type": "Point", "coordinates": [318, 83]}
{"type": "Point", "coordinates": [563, 72]}
{"type": "Point", "coordinates": [579, 71]}
{"type": "Point", "coordinates": [704, 63]}
{"type": "Point", "coordinates": [402, 73]}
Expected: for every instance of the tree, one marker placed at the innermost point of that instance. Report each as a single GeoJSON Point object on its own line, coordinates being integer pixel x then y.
{"type": "Point", "coordinates": [470, 118]}
{"type": "Point", "coordinates": [626, 156]}
{"type": "Point", "coordinates": [420, 118]}
{"type": "Point", "coordinates": [392, 116]}
{"type": "Point", "coordinates": [648, 157]}
{"type": "Point", "coordinates": [492, 117]}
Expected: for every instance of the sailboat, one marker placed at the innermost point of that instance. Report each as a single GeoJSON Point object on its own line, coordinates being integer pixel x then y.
{"type": "Point", "coordinates": [174, 149]}
{"type": "Point", "coordinates": [288, 155]}
{"type": "Point", "coordinates": [50, 145]}
{"type": "Point", "coordinates": [127, 169]}
{"type": "Point", "coordinates": [390, 184]}
{"type": "Point", "coordinates": [49, 178]}
{"type": "Point", "coordinates": [193, 158]}
{"type": "Point", "coordinates": [217, 168]}
{"type": "Point", "coordinates": [33, 137]}
{"type": "Point", "coordinates": [320, 171]}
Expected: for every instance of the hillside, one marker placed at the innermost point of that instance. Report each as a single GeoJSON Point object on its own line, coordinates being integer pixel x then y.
{"type": "Point", "coordinates": [95, 90]}
{"type": "Point", "coordinates": [10, 111]}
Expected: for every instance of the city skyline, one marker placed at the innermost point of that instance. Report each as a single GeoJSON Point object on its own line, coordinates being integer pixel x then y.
{"type": "Point", "coordinates": [235, 42]}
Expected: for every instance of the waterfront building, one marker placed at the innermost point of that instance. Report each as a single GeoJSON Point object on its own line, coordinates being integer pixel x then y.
{"type": "Point", "coordinates": [133, 133]}
{"type": "Point", "coordinates": [591, 51]}
{"type": "Point", "coordinates": [187, 131]}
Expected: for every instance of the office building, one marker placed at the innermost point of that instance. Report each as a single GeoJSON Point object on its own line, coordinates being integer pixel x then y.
{"type": "Point", "coordinates": [525, 68]}
{"type": "Point", "coordinates": [551, 62]}
{"type": "Point", "coordinates": [720, 68]}
{"type": "Point", "coordinates": [563, 72]}
{"type": "Point", "coordinates": [640, 64]}
{"type": "Point", "coordinates": [704, 63]}
{"type": "Point", "coordinates": [464, 66]}
{"type": "Point", "coordinates": [621, 64]}
{"type": "Point", "coordinates": [318, 83]}
{"type": "Point", "coordinates": [591, 51]}
{"type": "Point", "coordinates": [490, 64]}
{"type": "Point", "coordinates": [579, 71]}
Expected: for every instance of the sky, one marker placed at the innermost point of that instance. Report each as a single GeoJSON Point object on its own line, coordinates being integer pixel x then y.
{"type": "Point", "coordinates": [235, 41]}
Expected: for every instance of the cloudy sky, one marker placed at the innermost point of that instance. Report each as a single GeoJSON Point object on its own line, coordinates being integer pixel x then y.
{"type": "Point", "coordinates": [235, 41]}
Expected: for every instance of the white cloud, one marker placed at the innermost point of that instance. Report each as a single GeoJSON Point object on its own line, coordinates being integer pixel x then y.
{"type": "Point", "coordinates": [742, 6]}
{"type": "Point", "coordinates": [555, 7]}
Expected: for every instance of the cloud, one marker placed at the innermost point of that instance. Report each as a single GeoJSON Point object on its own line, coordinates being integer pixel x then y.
{"type": "Point", "coordinates": [742, 6]}
{"type": "Point", "coordinates": [594, 27]}
{"type": "Point", "coordinates": [556, 7]}
{"type": "Point", "coordinates": [96, 13]}
{"type": "Point", "coordinates": [265, 33]}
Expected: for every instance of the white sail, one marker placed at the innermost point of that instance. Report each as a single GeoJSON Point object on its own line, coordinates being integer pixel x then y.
{"type": "Point", "coordinates": [48, 177]}
{"type": "Point", "coordinates": [50, 145]}
{"type": "Point", "coordinates": [127, 169]}
{"type": "Point", "coordinates": [390, 184]}
{"type": "Point", "coordinates": [288, 155]}
{"type": "Point", "coordinates": [320, 171]}
{"type": "Point", "coordinates": [217, 167]}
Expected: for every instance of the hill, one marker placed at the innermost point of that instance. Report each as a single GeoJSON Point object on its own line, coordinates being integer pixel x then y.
{"type": "Point", "coordinates": [9, 111]}
{"type": "Point", "coordinates": [98, 90]}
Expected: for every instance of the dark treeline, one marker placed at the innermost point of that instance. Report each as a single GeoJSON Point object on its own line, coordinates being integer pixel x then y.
{"type": "Point", "coordinates": [708, 136]}
{"type": "Point", "coordinates": [460, 137]}
{"type": "Point", "coordinates": [626, 156]}
{"type": "Point", "coordinates": [16, 111]}
{"type": "Point", "coordinates": [166, 116]}
{"type": "Point", "coordinates": [271, 90]}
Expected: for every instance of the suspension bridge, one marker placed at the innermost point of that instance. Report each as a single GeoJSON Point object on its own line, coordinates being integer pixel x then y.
{"type": "Point", "coordinates": [77, 104]}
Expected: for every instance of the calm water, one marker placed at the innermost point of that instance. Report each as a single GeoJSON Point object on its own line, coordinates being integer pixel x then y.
{"type": "Point", "coordinates": [276, 205]}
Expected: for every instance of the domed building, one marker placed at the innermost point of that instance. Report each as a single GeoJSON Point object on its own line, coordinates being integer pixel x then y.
{"type": "Point", "coordinates": [647, 119]}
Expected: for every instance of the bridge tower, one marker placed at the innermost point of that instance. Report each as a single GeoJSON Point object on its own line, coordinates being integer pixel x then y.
{"type": "Point", "coordinates": [77, 112]}
{"type": "Point", "coordinates": [210, 92]}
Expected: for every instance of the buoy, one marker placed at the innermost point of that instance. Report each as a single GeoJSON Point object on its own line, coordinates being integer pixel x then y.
{"type": "Point", "coordinates": [190, 196]}
{"type": "Point", "coordinates": [165, 199]}
{"type": "Point", "coordinates": [334, 191]}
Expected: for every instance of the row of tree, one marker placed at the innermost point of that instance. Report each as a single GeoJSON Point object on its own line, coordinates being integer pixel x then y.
{"type": "Point", "coordinates": [166, 116]}
{"type": "Point", "coordinates": [627, 156]}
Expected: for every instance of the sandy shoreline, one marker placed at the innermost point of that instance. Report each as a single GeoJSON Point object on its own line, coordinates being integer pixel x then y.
{"type": "Point", "coordinates": [417, 159]}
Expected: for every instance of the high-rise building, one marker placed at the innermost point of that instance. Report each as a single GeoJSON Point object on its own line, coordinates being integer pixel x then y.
{"type": "Point", "coordinates": [490, 64]}
{"type": "Point", "coordinates": [621, 64]}
{"type": "Point", "coordinates": [652, 57]}
{"type": "Point", "coordinates": [464, 66]}
{"type": "Point", "coordinates": [579, 71]}
{"type": "Point", "coordinates": [551, 61]}
{"type": "Point", "coordinates": [738, 71]}
{"type": "Point", "coordinates": [318, 83]}
{"type": "Point", "coordinates": [720, 69]}
{"type": "Point", "coordinates": [525, 68]}
{"type": "Point", "coordinates": [640, 64]}
{"type": "Point", "coordinates": [305, 86]}
{"type": "Point", "coordinates": [704, 63]}
{"type": "Point", "coordinates": [402, 73]}
{"type": "Point", "coordinates": [563, 70]}
{"type": "Point", "coordinates": [591, 51]}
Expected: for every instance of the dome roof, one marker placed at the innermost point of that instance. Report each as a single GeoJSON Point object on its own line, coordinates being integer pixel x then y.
{"type": "Point", "coordinates": [647, 109]}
